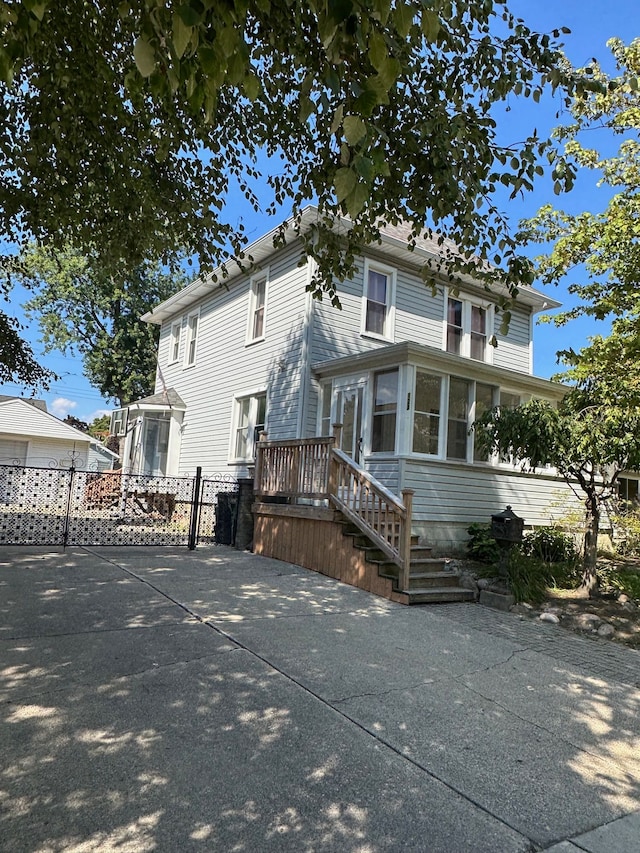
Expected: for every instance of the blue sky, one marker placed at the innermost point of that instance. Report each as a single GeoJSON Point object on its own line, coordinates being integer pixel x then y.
{"type": "Point", "coordinates": [591, 25]}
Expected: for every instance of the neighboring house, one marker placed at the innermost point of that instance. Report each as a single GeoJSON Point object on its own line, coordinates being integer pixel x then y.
{"type": "Point", "coordinates": [404, 370]}
{"type": "Point", "coordinates": [30, 436]}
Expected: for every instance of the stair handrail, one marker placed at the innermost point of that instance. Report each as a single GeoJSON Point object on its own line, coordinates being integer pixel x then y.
{"type": "Point", "coordinates": [375, 510]}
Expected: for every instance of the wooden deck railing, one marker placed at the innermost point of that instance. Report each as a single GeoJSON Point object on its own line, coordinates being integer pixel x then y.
{"type": "Point", "coordinates": [315, 469]}
{"type": "Point", "coordinates": [296, 468]}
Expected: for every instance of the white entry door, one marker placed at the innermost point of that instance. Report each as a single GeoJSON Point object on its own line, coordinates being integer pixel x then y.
{"type": "Point", "coordinates": [349, 412]}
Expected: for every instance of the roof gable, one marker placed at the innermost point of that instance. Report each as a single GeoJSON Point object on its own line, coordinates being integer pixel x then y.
{"type": "Point", "coordinates": [18, 417]}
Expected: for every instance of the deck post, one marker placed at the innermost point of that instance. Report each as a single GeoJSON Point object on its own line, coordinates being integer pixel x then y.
{"type": "Point", "coordinates": [332, 479]}
{"type": "Point", "coordinates": [405, 544]}
{"type": "Point", "coordinates": [257, 480]}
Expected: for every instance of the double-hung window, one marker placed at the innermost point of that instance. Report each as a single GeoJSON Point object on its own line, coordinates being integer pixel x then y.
{"type": "Point", "coordinates": [378, 301]}
{"type": "Point", "coordinates": [192, 339]}
{"type": "Point", "coordinates": [458, 418]}
{"type": "Point", "coordinates": [250, 418]}
{"type": "Point", "coordinates": [174, 342]}
{"type": "Point", "coordinates": [426, 415]}
{"type": "Point", "coordinates": [467, 329]}
{"type": "Point", "coordinates": [385, 410]}
{"type": "Point", "coordinates": [257, 308]}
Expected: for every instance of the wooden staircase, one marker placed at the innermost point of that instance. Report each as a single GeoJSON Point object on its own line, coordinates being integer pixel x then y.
{"type": "Point", "coordinates": [429, 580]}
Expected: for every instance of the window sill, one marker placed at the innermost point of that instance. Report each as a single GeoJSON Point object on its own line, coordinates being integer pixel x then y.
{"type": "Point", "coordinates": [252, 341]}
{"type": "Point", "coordinates": [374, 337]}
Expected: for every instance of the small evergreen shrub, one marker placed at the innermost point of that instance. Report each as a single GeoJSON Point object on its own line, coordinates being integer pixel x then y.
{"type": "Point", "coordinates": [481, 545]}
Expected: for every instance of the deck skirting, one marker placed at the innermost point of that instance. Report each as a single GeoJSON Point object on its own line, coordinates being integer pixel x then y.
{"type": "Point", "coordinates": [313, 537]}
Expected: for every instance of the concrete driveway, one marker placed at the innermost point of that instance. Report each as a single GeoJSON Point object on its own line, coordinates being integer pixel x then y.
{"type": "Point", "coordinates": [163, 700]}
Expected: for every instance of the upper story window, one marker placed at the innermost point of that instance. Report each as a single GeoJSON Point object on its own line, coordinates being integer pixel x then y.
{"type": "Point", "coordinates": [467, 329]}
{"type": "Point", "coordinates": [378, 301]}
{"type": "Point", "coordinates": [174, 343]}
{"type": "Point", "coordinates": [385, 410]}
{"type": "Point", "coordinates": [192, 339]}
{"type": "Point", "coordinates": [257, 308]}
{"type": "Point", "coordinates": [118, 424]}
{"type": "Point", "coordinates": [250, 418]}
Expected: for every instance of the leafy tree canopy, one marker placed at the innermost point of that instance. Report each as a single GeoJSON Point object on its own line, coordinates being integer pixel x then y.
{"type": "Point", "coordinates": [608, 242]}
{"type": "Point", "coordinates": [99, 427]}
{"type": "Point", "coordinates": [124, 124]}
{"type": "Point", "coordinates": [83, 308]}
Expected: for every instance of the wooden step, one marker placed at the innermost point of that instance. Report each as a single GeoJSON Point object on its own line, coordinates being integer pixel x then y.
{"type": "Point", "coordinates": [433, 580]}
{"type": "Point", "coordinates": [439, 595]}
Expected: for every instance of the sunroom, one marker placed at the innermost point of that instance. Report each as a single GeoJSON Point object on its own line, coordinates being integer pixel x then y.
{"type": "Point", "coordinates": [407, 412]}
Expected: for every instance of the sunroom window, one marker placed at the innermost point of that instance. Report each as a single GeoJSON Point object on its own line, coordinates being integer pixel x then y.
{"type": "Point", "coordinates": [458, 419]}
{"type": "Point", "coordinates": [426, 417]}
{"type": "Point", "coordinates": [385, 409]}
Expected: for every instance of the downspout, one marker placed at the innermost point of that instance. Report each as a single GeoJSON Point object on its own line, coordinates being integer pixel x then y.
{"type": "Point", "coordinates": [305, 359]}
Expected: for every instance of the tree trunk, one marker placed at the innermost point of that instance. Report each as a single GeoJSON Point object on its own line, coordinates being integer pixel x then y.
{"type": "Point", "coordinates": [590, 553]}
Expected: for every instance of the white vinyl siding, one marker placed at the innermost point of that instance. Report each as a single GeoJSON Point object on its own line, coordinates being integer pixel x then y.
{"type": "Point", "coordinates": [13, 451]}
{"type": "Point", "coordinates": [446, 492]}
{"type": "Point", "coordinates": [226, 368]}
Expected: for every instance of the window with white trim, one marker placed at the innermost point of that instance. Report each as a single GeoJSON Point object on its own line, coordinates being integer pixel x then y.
{"type": "Point", "coordinates": [192, 339]}
{"type": "Point", "coordinates": [378, 301]}
{"type": "Point", "coordinates": [118, 424]}
{"type": "Point", "coordinates": [484, 402]}
{"type": "Point", "coordinates": [257, 308]}
{"type": "Point", "coordinates": [325, 410]}
{"type": "Point", "coordinates": [458, 418]}
{"type": "Point", "coordinates": [467, 328]}
{"type": "Point", "coordinates": [426, 414]}
{"type": "Point", "coordinates": [385, 410]}
{"type": "Point", "coordinates": [250, 419]}
{"type": "Point", "coordinates": [174, 342]}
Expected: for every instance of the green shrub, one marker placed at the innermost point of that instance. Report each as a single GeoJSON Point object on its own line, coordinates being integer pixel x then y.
{"type": "Point", "coordinates": [626, 530]}
{"type": "Point", "coordinates": [481, 545]}
{"type": "Point", "coordinates": [550, 544]}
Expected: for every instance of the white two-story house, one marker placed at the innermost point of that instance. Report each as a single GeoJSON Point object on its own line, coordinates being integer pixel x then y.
{"type": "Point", "coordinates": [405, 370]}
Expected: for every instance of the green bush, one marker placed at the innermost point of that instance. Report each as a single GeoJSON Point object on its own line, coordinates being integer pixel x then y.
{"type": "Point", "coordinates": [550, 544]}
{"type": "Point", "coordinates": [528, 577]}
{"type": "Point", "coordinates": [626, 530]}
{"type": "Point", "coordinates": [481, 545]}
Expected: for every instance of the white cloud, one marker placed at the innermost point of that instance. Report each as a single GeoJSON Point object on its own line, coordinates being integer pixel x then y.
{"type": "Point", "coordinates": [97, 414]}
{"type": "Point", "coordinates": [61, 407]}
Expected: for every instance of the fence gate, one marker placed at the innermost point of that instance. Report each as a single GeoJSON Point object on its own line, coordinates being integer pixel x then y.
{"type": "Point", "coordinates": [65, 506]}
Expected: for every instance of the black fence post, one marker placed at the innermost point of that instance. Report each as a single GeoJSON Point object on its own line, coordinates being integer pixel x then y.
{"type": "Point", "coordinates": [195, 509]}
{"type": "Point", "coordinates": [65, 533]}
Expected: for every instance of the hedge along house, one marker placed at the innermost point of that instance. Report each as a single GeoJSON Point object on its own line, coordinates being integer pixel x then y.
{"type": "Point", "coordinates": [405, 371]}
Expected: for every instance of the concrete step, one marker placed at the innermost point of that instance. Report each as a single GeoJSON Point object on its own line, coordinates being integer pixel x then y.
{"type": "Point", "coordinates": [439, 595]}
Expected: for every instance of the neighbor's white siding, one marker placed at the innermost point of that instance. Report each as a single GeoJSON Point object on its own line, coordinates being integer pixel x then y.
{"type": "Point", "coordinates": [226, 366]}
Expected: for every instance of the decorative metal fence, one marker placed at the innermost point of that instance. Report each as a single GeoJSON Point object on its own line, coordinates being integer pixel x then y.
{"type": "Point", "coordinates": [66, 506]}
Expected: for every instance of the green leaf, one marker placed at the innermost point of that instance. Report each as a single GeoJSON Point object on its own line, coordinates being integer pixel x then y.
{"type": "Point", "coordinates": [357, 199]}
{"type": "Point", "coordinates": [354, 129]}
{"type": "Point", "coordinates": [36, 7]}
{"type": "Point", "coordinates": [145, 56]}
{"type": "Point", "coordinates": [190, 16]}
{"type": "Point", "coordinates": [403, 17]}
{"type": "Point", "coordinates": [252, 86]}
{"type": "Point", "coordinates": [378, 52]}
{"type": "Point", "coordinates": [181, 36]}
{"type": "Point", "coordinates": [344, 182]}
{"type": "Point", "coordinates": [430, 24]}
